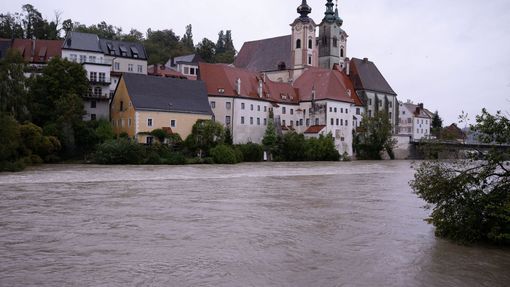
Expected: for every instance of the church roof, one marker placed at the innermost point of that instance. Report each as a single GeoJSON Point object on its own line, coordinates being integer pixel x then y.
{"type": "Point", "coordinates": [366, 76]}
{"type": "Point", "coordinates": [265, 55]}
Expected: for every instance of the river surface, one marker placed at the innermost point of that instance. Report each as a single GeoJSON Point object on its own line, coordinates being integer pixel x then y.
{"type": "Point", "coordinates": [268, 224]}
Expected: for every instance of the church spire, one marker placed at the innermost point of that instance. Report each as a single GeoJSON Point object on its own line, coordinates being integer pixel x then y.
{"type": "Point", "coordinates": [329, 14]}
{"type": "Point", "coordinates": [304, 10]}
{"type": "Point", "coordinates": [337, 17]}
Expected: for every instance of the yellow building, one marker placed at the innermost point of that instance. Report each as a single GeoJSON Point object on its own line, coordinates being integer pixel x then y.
{"type": "Point", "coordinates": [143, 103]}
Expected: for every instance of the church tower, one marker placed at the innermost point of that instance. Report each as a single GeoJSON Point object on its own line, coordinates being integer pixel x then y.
{"type": "Point", "coordinates": [304, 51]}
{"type": "Point", "coordinates": [332, 39]}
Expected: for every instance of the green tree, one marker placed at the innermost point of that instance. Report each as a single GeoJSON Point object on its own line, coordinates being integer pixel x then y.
{"type": "Point", "coordinates": [205, 135]}
{"type": "Point", "coordinates": [206, 50]}
{"type": "Point", "coordinates": [133, 36]}
{"type": "Point", "coordinates": [187, 39]}
{"type": "Point", "coordinates": [57, 101]}
{"type": "Point", "coordinates": [228, 137]}
{"type": "Point", "coordinates": [270, 139]}
{"type": "Point", "coordinates": [10, 143]}
{"type": "Point", "coordinates": [437, 125]}
{"type": "Point", "coordinates": [11, 26]}
{"type": "Point", "coordinates": [103, 30]}
{"type": "Point", "coordinates": [225, 51]}
{"type": "Point", "coordinates": [469, 198]}
{"type": "Point", "coordinates": [13, 92]}
{"type": "Point", "coordinates": [374, 137]}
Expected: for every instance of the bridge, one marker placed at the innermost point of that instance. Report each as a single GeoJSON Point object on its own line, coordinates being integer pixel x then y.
{"type": "Point", "coordinates": [450, 149]}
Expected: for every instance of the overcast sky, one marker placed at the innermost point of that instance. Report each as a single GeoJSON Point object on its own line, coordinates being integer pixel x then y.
{"type": "Point", "coordinates": [451, 55]}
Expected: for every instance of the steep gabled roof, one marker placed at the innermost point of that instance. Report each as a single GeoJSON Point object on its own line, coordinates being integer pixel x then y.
{"type": "Point", "coordinates": [115, 48]}
{"type": "Point", "coordinates": [366, 76]}
{"type": "Point", "coordinates": [265, 55]}
{"type": "Point", "coordinates": [417, 110]}
{"type": "Point", "coordinates": [42, 52]}
{"type": "Point", "coordinates": [166, 94]}
{"type": "Point", "coordinates": [328, 84]}
{"type": "Point", "coordinates": [82, 41]}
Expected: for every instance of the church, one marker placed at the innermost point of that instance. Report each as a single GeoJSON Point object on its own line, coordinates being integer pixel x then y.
{"type": "Point", "coordinates": [305, 79]}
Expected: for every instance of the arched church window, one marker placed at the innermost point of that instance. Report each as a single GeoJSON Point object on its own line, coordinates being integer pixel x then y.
{"type": "Point", "coordinates": [342, 52]}
{"type": "Point", "coordinates": [298, 44]}
{"type": "Point", "coordinates": [335, 42]}
{"type": "Point", "coordinates": [310, 44]}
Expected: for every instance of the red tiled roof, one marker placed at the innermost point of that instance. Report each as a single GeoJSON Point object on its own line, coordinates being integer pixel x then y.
{"type": "Point", "coordinates": [43, 51]}
{"type": "Point", "coordinates": [328, 84]}
{"type": "Point", "coordinates": [314, 129]}
{"type": "Point", "coordinates": [221, 79]}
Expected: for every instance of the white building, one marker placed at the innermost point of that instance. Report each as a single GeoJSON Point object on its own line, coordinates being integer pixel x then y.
{"type": "Point", "coordinates": [414, 121]}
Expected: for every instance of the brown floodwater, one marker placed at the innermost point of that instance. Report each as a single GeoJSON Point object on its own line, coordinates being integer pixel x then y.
{"type": "Point", "coordinates": [268, 224]}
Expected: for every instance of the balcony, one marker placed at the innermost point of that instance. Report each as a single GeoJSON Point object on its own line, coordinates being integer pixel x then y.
{"type": "Point", "coordinates": [98, 96]}
{"type": "Point", "coordinates": [100, 82]}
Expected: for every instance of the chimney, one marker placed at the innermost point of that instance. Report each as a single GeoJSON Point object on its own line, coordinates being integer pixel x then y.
{"type": "Point", "coordinates": [420, 105]}
{"type": "Point", "coordinates": [347, 66]}
{"type": "Point", "coordinates": [260, 91]}
{"type": "Point", "coordinates": [238, 86]}
{"type": "Point", "coordinates": [365, 60]}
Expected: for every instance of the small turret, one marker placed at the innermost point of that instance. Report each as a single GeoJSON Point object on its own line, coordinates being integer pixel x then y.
{"type": "Point", "coordinates": [304, 10]}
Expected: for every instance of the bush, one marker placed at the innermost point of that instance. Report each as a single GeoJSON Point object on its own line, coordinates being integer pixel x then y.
{"type": "Point", "coordinates": [120, 151]}
{"type": "Point", "coordinates": [223, 154]}
{"type": "Point", "coordinates": [251, 152]}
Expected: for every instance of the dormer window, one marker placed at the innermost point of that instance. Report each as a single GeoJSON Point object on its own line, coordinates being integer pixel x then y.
{"type": "Point", "coordinates": [123, 51]}
{"type": "Point", "coordinates": [134, 52]}
{"type": "Point", "coordinates": [111, 50]}
{"type": "Point", "coordinates": [221, 91]}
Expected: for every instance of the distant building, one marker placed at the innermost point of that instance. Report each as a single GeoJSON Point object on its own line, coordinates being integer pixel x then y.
{"type": "Point", "coordinates": [37, 53]}
{"type": "Point", "coordinates": [186, 65]}
{"type": "Point", "coordinates": [5, 45]}
{"type": "Point", "coordinates": [453, 132]}
{"type": "Point", "coordinates": [104, 61]}
{"type": "Point", "coordinates": [143, 103]}
{"type": "Point", "coordinates": [164, 71]}
{"type": "Point", "coordinates": [414, 121]}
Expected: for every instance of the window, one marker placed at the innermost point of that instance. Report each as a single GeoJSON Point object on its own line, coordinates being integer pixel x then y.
{"type": "Point", "coordinates": [301, 122]}
{"type": "Point", "coordinates": [192, 71]}
{"type": "Point", "coordinates": [310, 44]}
{"type": "Point", "coordinates": [341, 52]}
{"type": "Point", "coordinates": [213, 105]}
{"type": "Point", "coordinates": [330, 109]}
{"type": "Point", "coordinates": [291, 111]}
{"type": "Point", "coordinates": [346, 111]}
{"type": "Point", "coordinates": [265, 108]}
{"type": "Point", "coordinates": [242, 120]}
{"type": "Point", "coordinates": [221, 91]}
{"type": "Point", "coordinates": [258, 121]}
{"type": "Point", "coordinates": [298, 44]}
{"type": "Point", "coordinates": [291, 123]}
{"type": "Point", "coordinates": [93, 76]}
{"type": "Point", "coordinates": [284, 110]}
{"type": "Point", "coordinates": [336, 110]}
{"type": "Point", "coordinates": [265, 122]}
{"type": "Point", "coordinates": [92, 104]}
{"type": "Point", "coordinates": [97, 91]}
{"type": "Point", "coordinates": [337, 122]}
{"type": "Point", "coordinates": [335, 42]}
{"type": "Point", "coordinates": [129, 122]}
{"type": "Point", "coordinates": [102, 77]}
{"type": "Point", "coordinates": [228, 105]}
{"type": "Point", "coordinates": [341, 110]}
{"type": "Point", "coordinates": [307, 122]}
{"type": "Point", "coordinates": [283, 123]}
{"type": "Point", "coordinates": [130, 67]}
{"type": "Point", "coordinates": [370, 101]}
{"type": "Point", "coordinates": [258, 108]}
{"type": "Point", "coordinates": [116, 66]}
{"type": "Point", "coordinates": [92, 117]}
{"type": "Point", "coordinates": [172, 123]}
{"type": "Point", "coordinates": [317, 121]}
{"type": "Point", "coordinates": [83, 58]}
{"type": "Point", "coordinates": [121, 106]}
{"type": "Point", "coordinates": [251, 107]}
{"type": "Point", "coordinates": [309, 60]}
{"type": "Point", "coordinates": [227, 120]}
{"type": "Point", "coordinates": [342, 122]}
{"type": "Point", "coordinates": [74, 58]}
{"type": "Point", "coordinates": [149, 140]}
{"type": "Point", "coordinates": [140, 69]}
{"type": "Point", "coordinates": [369, 113]}
{"type": "Point", "coordinates": [332, 121]}
{"type": "Point", "coordinates": [92, 59]}
{"type": "Point", "coordinates": [186, 71]}
{"type": "Point", "coordinates": [409, 120]}
{"type": "Point", "coordinates": [242, 106]}
{"type": "Point", "coordinates": [251, 120]}
{"type": "Point", "coordinates": [358, 111]}
{"type": "Point", "coordinates": [149, 122]}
